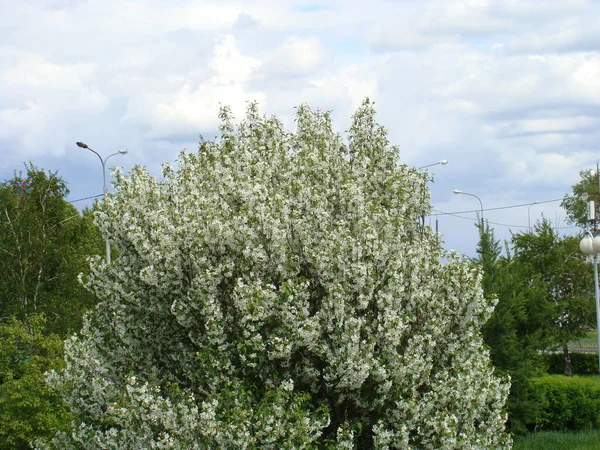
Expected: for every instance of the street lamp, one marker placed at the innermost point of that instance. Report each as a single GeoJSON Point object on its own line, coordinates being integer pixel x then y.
{"type": "Point", "coordinates": [442, 162]}
{"type": "Point", "coordinates": [105, 190]}
{"type": "Point", "coordinates": [591, 246]}
{"type": "Point", "coordinates": [457, 192]}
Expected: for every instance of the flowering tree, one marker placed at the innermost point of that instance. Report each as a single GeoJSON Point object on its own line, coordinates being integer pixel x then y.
{"type": "Point", "coordinates": [276, 290]}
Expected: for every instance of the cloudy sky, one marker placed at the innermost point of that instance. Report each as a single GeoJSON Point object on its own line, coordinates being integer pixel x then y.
{"type": "Point", "coordinates": [507, 91]}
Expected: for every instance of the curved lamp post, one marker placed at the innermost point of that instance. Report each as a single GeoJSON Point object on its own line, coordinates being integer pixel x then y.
{"type": "Point", "coordinates": [442, 162]}
{"type": "Point", "coordinates": [591, 246]}
{"type": "Point", "coordinates": [105, 190]}
{"type": "Point", "coordinates": [458, 192]}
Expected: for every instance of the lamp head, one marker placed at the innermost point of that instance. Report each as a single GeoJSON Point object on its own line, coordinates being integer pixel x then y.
{"type": "Point", "coordinates": [443, 162]}
{"type": "Point", "coordinates": [596, 244]}
{"type": "Point", "coordinates": [457, 191]}
{"type": "Point", "coordinates": [590, 245]}
{"type": "Point", "coordinates": [81, 144]}
{"type": "Point", "coordinates": [586, 245]}
{"type": "Point", "coordinates": [123, 151]}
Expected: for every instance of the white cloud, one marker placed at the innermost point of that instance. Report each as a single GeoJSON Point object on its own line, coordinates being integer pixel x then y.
{"type": "Point", "coordinates": [194, 106]}
{"type": "Point", "coordinates": [530, 167]}
{"type": "Point", "coordinates": [351, 83]}
{"type": "Point", "coordinates": [296, 56]}
{"type": "Point", "coordinates": [32, 79]}
{"type": "Point", "coordinates": [399, 35]}
{"type": "Point", "coordinates": [41, 99]}
{"type": "Point", "coordinates": [508, 91]}
{"type": "Point", "coordinates": [246, 21]}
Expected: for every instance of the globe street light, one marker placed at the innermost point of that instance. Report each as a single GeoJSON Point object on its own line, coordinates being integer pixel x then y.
{"type": "Point", "coordinates": [457, 192]}
{"type": "Point", "coordinates": [105, 190]}
{"type": "Point", "coordinates": [591, 246]}
{"type": "Point", "coordinates": [442, 162]}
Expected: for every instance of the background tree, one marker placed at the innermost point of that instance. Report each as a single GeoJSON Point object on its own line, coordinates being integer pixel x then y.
{"type": "Point", "coordinates": [558, 265]}
{"type": "Point", "coordinates": [541, 284]}
{"type": "Point", "coordinates": [517, 330]}
{"type": "Point", "coordinates": [44, 244]}
{"type": "Point", "coordinates": [575, 204]}
{"type": "Point", "coordinates": [29, 408]}
{"type": "Point", "coordinates": [277, 291]}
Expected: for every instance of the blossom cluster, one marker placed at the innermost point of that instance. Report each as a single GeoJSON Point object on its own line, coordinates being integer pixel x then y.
{"type": "Point", "coordinates": [278, 289]}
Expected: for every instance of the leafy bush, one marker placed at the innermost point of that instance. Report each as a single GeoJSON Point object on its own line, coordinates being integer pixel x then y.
{"type": "Point", "coordinates": [277, 290]}
{"type": "Point", "coordinates": [566, 403]}
{"type": "Point", "coordinates": [581, 363]}
{"type": "Point", "coordinates": [29, 408]}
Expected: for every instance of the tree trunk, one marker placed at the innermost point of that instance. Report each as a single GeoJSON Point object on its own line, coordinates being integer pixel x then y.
{"type": "Point", "coordinates": [567, 370]}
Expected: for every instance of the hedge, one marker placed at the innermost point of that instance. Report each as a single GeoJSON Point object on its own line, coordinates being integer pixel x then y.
{"type": "Point", "coordinates": [565, 403]}
{"type": "Point", "coordinates": [581, 363]}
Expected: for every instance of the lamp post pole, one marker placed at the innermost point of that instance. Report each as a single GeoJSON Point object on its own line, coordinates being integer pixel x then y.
{"type": "Point", "coordinates": [442, 162]}
{"type": "Point", "coordinates": [591, 246]}
{"type": "Point", "coordinates": [458, 192]}
{"type": "Point", "coordinates": [105, 189]}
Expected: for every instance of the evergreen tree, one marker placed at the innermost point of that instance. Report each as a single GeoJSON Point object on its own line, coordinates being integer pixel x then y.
{"type": "Point", "coordinates": [543, 302]}
{"type": "Point", "coordinates": [513, 331]}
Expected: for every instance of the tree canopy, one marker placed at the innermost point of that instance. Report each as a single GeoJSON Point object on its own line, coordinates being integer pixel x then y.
{"type": "Point", "coordinates": [44, 245]}
{"type": "Point", "coordinates": [29, 408]}
{"type": "Point", "coordinates": [542, 284]}
{"type": "Point", "coordinates": [575, 204]}
{"type": "Point", "coordinates": [559, 266]}
{"type": "Point", "coordinates": [277, 290]}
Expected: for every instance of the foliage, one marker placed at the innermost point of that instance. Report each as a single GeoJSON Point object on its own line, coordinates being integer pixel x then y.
{"type": "Point", "coordinates": [29, 408]}
{"type": "Point", "coordinates": [544, 301]}
{"type": "Point", "coordinates": [561, 268]}
{"type": "Point", "coordinates": [567, 403]}
{"type": "Point", "coordinates": [44, 245]}
{"type": "Point", "coordinates": [517, 329]}
{"type": "Point", "coordinates": [278, 291]}
{"type": "Point", "coordinates": [559, 440]}
{"type": "Point", "coordinates": [582, 363]}
{"type": "Point", "coordinates": [576, 204]}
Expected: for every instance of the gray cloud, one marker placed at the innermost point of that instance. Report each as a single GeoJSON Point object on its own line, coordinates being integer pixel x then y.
{"type": "Point", "coordinates": [507, 91]}
{"type": "Point", "coordinates": [245, 21]}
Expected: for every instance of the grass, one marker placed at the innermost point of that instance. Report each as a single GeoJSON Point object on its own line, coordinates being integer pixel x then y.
{"type": "Point", "coordinates": [589, 343]}
{"type": "Point", "coordinates": [559, 440]}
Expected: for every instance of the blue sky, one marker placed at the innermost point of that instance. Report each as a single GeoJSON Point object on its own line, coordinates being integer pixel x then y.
{"type": "Point", "coordinates": [507, 91]}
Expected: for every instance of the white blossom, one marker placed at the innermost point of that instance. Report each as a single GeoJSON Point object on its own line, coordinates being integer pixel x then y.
{"type": "Point", "coordinates": [277, 290]}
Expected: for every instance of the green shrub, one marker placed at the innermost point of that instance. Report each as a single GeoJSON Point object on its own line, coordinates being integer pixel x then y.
{"type": "Point", "coordinates": [566, 403]}
{"type": "Point", "coordinates": [581, 363]}
{"type": "Point", "coordinates": [29, 408]}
